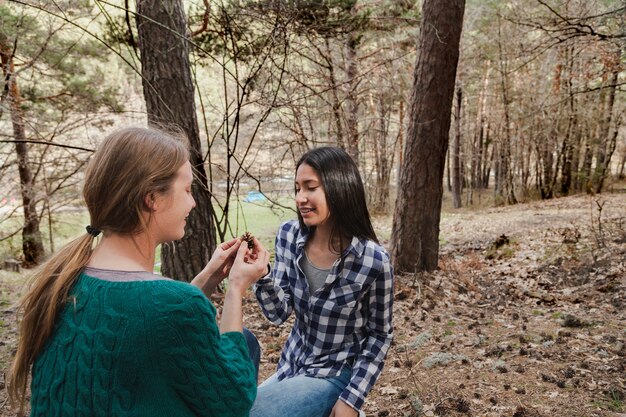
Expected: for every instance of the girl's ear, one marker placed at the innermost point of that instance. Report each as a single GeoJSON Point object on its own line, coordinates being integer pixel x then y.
{"type": "Point", "coordinates": [149, 202]}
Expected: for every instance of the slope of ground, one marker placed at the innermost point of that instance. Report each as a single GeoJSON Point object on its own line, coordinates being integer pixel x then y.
{"type": "Point", "coordinates": [525, 317]}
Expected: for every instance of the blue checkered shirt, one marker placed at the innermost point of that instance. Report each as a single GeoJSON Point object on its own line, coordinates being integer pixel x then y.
{"type": "Point", "coordinates": [345, 322]}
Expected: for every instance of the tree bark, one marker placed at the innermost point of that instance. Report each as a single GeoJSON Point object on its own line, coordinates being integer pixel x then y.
{"type": "Point", "coordinates": [448, 175]}
{"type": "Point", "coordinates": [456, 159]}
{"type": "Point", "coordinates": [606, 142]}
{"type": "Point", "coordinates": [352, 103]}
{"type": "Point", "coordinates": [477, 156]}
{"type": "Point", "coordinates": [384, 155]}
{"type": "Point", "coordinates": [169, 95]}
{"type": "Point", "coordinates": [622, 164]}
{"type": "Point", "coordinates": [400, 140]}
{"type": "Point", "coordinates": [32, 242]}
{"type": "Point", "coordinates": [489, 161]}
{"type": "Point", "coordinates": [505, 171]}
{"type": "Point", "coordinates": [334, 95]}
{"type": "Point", "coordinates": [569, 143]}
{"type": "Point", "coordinates": [584, 182]}
{"type": "Point", "coordinates": [415, 235]}
{"type": "Point", "coordinates": [547, 156]}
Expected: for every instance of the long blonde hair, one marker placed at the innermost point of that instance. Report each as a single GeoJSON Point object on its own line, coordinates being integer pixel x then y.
{"type": "Point", "coordinates": [129, 165]}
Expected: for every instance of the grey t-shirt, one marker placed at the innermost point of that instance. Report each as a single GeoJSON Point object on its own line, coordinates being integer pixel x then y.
{"type": "Point", "coordinates": [315, 276]}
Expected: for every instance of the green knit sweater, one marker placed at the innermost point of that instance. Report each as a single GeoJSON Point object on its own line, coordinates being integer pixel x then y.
{"type": "Point", "coordinates": [141, 348]}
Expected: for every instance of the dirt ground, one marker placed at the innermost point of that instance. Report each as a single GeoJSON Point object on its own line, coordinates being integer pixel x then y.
{"type": "Point", "coordinates": [524, 318]}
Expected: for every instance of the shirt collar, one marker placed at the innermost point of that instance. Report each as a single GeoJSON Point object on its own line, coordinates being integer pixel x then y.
{"type": "Point", "coordinates": [356, 246]}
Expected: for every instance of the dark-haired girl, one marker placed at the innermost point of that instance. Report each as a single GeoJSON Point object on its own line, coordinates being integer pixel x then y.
{"type": "Point", "coordinates": [333, 275]}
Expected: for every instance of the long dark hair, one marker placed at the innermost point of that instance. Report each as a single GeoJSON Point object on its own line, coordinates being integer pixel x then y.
{"type": "Point", "coordinates": [345, 194]}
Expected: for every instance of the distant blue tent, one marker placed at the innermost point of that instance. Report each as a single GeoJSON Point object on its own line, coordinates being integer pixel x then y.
{"type": "Point", "coordinates": [254, 196]}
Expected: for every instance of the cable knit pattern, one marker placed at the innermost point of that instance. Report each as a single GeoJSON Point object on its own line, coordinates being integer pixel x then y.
{"type": "Point", "coordinates": [141, 348]}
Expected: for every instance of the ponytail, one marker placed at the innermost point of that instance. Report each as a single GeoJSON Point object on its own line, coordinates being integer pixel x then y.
{"type": "Point", "coordinates": [129, 164]}
{"type": "Point", "coordinates": [41, 306]}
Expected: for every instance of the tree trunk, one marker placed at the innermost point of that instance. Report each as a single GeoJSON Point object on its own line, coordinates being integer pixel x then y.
{"type": "Point", "coordinates": [547, 156]}
{"type": "Point", "coordinates": [415, 235]}
{"type": "Point", "coordinates": [477, 180]}
{"type": "Point", "coordinates": [352, 103]}
{"type": "Point", "coordinates": [382, 156]}
{"type": "Point", "coordinates": [456, 159]}
{"type": "Point", "coordinates": [568, 153]}
{"type": "Point", "coordinates": [477, 157]}
{"type": "Point", "coordinates": [606, 144]}
{"type": "Point", "coordinates": [32, 243]}
{"type": "Point", "coordinates": [622, 165]}
{"type": "Point", "coordinates": [448, 175]}
{"type": "Point", "coordinates": [569, 143]}
{"type": "Point", "coordinates": [580, 142]}
{"type": "Point", "coordinates": [169, 95]}
{"type": "Point", "coordinates": [400, 139]}
{"type": "Point", "coordinates": [486, 173]}
{"type": "Point", "coordinates": [497, 172]}
{"type": "Point", "coordinates": [526, 165]}
{"type": "Point", "coordinates": [584, 183]}
{"type": "Point", "coordinates": [336, 104]}
{"type": "Point", "coordinates": [505, 172]}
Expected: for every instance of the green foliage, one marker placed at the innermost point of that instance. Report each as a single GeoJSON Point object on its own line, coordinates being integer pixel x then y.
{"type": "Point", "coordinates": [61, 69]}
{"type": "Point", "coordinates": [243, 29]}
{"type": "Point", "coordinates": [327, 18]}
{"type": "Point", "coordinates": [68, 84]}
{"type": "Point", "coordinates": [116, 31]}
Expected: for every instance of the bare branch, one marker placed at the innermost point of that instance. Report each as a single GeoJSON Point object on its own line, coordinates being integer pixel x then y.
{"type": "Point", "coordinates": [42, 142]}
{"type": "Point", "coordinates": [205, 19]}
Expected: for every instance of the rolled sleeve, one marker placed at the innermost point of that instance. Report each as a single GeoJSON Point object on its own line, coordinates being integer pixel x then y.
{"type": "Point", "coordinates": [272, 291]}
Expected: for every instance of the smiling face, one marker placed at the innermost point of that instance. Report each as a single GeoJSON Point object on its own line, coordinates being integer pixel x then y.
{"type": "Point", "coordinates": [170, 209]}
{"type": "Point", "coordinates": [310, 197]}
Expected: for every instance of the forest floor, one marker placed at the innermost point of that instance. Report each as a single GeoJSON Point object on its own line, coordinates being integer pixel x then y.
{"type": "Point", "coordinates": [525, 317]}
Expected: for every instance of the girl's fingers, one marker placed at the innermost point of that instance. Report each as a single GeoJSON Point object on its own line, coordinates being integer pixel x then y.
{"type": "Point", "coordinates": [229, 244]}
{"type": "Point", "coordinates": [233, 247]}
{"type": "Point", "coordinates": [267, 256]}
{"type": "Point", "coordinates": [242, 250]}
{"type": "Point", "coordinates": [257, 245]}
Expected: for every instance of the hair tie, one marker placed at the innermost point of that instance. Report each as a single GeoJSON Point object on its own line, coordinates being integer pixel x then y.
{"type": "Point", "coordinates": [92, 231]}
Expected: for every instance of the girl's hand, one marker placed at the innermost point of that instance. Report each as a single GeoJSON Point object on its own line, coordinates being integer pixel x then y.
{"type": "Point", "coordinates": [341, 409]}
{"type": "Point", "coordinates": [249, 266]}
{"type": "Point", "coordinates": [222, 260]}
{"type": "Point", "coordinates": [218, 266]}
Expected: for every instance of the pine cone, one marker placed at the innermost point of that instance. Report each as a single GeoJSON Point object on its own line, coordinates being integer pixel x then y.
{"type": "Point", "coordinates": [248, 238]}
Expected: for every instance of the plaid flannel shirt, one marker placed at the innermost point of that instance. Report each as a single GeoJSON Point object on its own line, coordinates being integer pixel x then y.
{"type": "Point", "coordinates": [345, 322]}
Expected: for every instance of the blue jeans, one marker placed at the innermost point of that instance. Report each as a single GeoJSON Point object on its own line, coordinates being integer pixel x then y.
{"type": "Point", "coordinates": [254, 350]}
{"type": "Point", "coordinates": [299, 396]}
